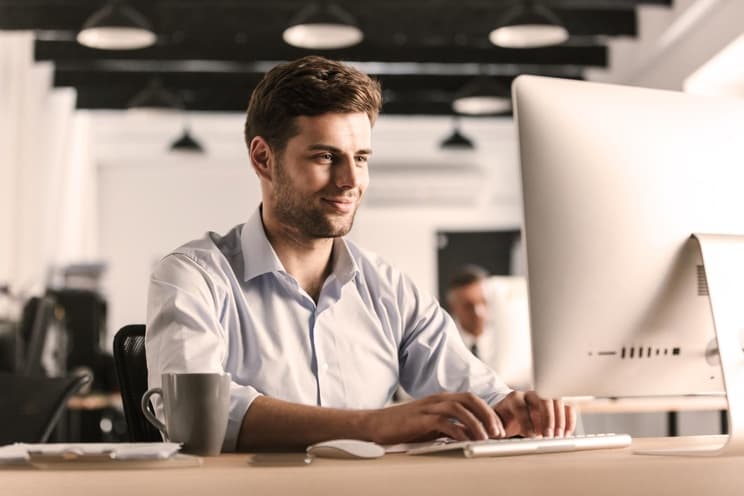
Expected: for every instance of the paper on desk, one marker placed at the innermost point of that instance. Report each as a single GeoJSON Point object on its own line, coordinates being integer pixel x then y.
{"type": "Point", "coordinates": [145, 451]}
{"type": "Point", "coordinates": [13, 453]}
{"type": "Point", "coordinates": [118, 451]}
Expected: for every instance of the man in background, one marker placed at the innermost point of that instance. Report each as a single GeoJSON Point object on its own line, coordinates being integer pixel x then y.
{"type": "Point", "coordinates": [467, 303]}
{"type": "Point", "coordinates": [491, 314]}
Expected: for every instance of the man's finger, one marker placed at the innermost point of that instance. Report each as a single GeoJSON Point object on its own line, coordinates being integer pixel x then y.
{"type": "Point", "coordinates": [451, 429]}
{"type": "Point", "coordinates": [570, 419]}
{"type": "Point", "coordinates": [560, 417]}
{"type": "Point", "coordinates": [484, 412]}
{"type": "Point", "coordinates": [454, 409]}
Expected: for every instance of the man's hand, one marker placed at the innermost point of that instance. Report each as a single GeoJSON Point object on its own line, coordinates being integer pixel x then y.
{"type": "Point", "coordinates": [526, 414]}
{"type": "Point", "coordinates": [275, 424]}
{"type": "Point", "coordinates": [462, 416]}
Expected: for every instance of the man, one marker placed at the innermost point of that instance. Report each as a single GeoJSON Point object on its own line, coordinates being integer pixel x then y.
{"type": "Point", "coordinates": [493, 323]}
{"type": "Point", "coordinates": [315, 332]}
{"type": "Point", "coordinates": [466, 302]}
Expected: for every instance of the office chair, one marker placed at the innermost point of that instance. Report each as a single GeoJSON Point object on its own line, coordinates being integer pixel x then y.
{"type": "Point", "coordinates": [131, 368]}
{"type": "Point", "coordinates": [85, 318]}
{"type": "Point", "coordinates": [30, 407]}
{"type": "Point", "coordinates": [39, 315]}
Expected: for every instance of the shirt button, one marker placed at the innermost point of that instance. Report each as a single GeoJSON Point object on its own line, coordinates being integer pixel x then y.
{"type": "Point", "coordinates": [325, 367]}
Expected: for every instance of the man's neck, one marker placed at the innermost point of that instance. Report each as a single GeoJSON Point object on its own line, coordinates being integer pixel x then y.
{"type": "Point", "coordinates": [308, 260]}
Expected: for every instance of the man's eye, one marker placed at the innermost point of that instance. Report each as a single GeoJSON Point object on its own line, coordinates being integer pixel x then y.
{"type": "Point", "coordinates": [325, 157]}
{"type": "Point", "coordinates": [363, 159]}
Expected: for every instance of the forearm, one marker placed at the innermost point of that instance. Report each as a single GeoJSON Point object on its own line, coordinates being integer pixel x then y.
{"type": "Point", "coordinates": [270, 423]}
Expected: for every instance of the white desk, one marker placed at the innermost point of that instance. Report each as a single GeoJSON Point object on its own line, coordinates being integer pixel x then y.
{"type": "Point", "coordinates": [606, 472]}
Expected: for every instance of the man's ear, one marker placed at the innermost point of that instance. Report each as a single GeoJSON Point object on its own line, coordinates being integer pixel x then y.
{"type": "Point", "coordinates": [262, 158]}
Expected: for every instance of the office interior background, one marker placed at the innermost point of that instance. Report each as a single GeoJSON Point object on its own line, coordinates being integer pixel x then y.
{"type": "Point", "coordinates": [90, 187]}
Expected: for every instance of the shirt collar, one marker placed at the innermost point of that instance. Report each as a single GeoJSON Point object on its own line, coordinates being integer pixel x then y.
{"type": "Point", "coordinates": [467, 338]}
{"type": "Point", "coordinates": [345, 267]}
{"type": "Point", "coordinates": [260, 258]}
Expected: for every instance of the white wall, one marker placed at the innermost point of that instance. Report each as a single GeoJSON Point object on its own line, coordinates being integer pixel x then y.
{"type": "Point", "coordinates": [151, 200]}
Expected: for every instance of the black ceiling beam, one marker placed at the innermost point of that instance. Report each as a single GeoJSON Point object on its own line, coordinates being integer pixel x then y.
{"type": "Point", "coordinates": [594, 56]}
{"type": "Point", "coordinates": [237, 101]}
{"type": "Point", "coordinates": [216, 81]}
{"type": "Point", "coordinates": [403, 94]}
{"type": "Point", "coordinates": [143, 4]}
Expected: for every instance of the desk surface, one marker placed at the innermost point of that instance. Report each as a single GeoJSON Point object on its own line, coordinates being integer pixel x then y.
{"type": "Point", "coordinates": [605, 472]}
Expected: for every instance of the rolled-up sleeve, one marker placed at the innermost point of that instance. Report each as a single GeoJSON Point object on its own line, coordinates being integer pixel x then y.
{"type": "Point", "coordinates": [432, 356]}
{"type": "Point", "coordinates": [184, 332]}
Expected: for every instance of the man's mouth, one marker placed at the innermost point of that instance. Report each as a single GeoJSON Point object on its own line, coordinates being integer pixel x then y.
{"type": "Point", "coordinates": [343, 205]}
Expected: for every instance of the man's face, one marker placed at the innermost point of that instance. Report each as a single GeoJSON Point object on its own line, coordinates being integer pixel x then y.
{"type": "Point", "coordinates": [320, 177]}
{"type": "Point", "coordinates": [468, 306]}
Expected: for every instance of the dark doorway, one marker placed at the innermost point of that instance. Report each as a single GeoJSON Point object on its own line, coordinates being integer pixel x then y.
{"type": "Point", "coordinates": [491, 250]}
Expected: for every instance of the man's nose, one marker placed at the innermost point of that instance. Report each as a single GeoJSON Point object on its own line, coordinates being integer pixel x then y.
{"type": "Point", "coordinates": [481, 310]}
{"type": "Point", "coordinates": [346, 173]}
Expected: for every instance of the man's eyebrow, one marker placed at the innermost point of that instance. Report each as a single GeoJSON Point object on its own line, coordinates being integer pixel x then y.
{"type": "Point", "coordinates": [330, 148]}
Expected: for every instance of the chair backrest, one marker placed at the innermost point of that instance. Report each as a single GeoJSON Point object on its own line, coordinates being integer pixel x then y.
{"type": "Point", "coordinates": [131, 368]}
{"type": "Point", "coordinates": [85, 318]}
{"type": "Point", "coordinates": [38, 318]}
{"type": "Point", "coordinates": [30, 407]}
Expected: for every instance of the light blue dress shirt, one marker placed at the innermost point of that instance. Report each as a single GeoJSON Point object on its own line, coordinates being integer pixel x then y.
{"type": "Point", "coordinates": [226, 303]}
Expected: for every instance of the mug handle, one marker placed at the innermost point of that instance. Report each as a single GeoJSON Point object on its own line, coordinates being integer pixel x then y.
{"type": "Point", "coordinates": [148, 414]}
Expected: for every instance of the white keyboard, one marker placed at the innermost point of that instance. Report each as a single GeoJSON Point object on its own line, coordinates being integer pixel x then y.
{"type": "Point", "coordinates": [525, 446]}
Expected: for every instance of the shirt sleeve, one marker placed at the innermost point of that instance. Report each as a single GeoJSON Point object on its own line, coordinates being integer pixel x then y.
{"type": "Point", "coordinates": [432, 356]}
{"type": "Point", "coordinates": [184, 333]}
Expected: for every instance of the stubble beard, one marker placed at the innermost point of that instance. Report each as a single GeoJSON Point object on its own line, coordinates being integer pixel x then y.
{"type": "Point", "coordinates": [302, 213]}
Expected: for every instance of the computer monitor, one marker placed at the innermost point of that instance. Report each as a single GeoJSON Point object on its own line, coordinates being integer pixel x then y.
{"type": "Point", "coordinates": [615, 182]}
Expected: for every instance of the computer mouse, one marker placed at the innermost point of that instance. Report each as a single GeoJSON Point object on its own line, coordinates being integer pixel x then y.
{"type": "Point", "coordinates": [346, 448]}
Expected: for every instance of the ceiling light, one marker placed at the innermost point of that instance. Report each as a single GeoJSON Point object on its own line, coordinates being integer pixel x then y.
{"type": "Point", "coordinates": [482, 96]}
{"type": "Point", "coordinates": [186, 143]}
{"type": "Point", "coordinates": [528, 26]}
{"type": "Point", "coordinates": [456, 140]}
{"type": "Point", "coordinates": [322, 27]}
{"type": "Point", "coordinates": [155, 98]}
{"type": "Point", "coordinates": [117, 26]}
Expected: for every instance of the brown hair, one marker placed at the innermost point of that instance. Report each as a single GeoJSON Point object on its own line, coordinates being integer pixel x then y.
{"type": "Point", "coordinates": [308, 86]}
{"type": "Point", "coordinates": [466, 276]}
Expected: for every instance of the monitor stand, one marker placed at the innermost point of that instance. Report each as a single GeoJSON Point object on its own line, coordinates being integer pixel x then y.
{"type": "Point", "coordinates": [723, 259]}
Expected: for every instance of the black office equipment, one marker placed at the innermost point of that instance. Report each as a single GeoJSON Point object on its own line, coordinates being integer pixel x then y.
{"type": "Point", "coordinates": [43, 350]}
{"type": "Point", "coordinates": [131, 368]}
{"type": "Point", "coordinates": [31, 406]}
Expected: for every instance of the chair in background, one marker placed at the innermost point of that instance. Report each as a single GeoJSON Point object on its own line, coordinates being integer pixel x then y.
{"type": "Point", "coordinates": [85, 318]}
{"type": "Point", "coordinates": [39, 315]}
{"type": "Point", "coordinates": [131, 368]}
{"type": "Point", "coordinates": [30, 407]}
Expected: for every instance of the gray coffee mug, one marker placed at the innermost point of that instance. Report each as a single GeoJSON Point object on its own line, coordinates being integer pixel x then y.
{"type": "Point", "coordinates": [196, 408]}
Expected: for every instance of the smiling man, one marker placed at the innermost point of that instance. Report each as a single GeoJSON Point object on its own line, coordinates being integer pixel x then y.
{"type": "Point", "coordinates": [315, 332]}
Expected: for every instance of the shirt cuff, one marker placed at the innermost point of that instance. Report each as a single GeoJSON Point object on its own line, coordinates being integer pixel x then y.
{"type": "Point", "coordinates": [241, 398]}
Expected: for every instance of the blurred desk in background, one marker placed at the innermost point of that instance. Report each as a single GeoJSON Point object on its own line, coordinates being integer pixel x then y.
{"type": "Point", "coordinates": [93, 417]}
{"type": "Point", "coordinates": [671, 405]}
{"type": "Point", "coordinates": [655, 404]}
{"type": "Point", "coordinates": [95, 401]}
